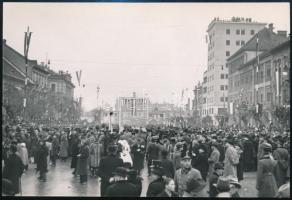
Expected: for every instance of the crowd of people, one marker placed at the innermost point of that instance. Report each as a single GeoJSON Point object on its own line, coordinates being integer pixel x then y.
{"type": "Point", "coordinates": [181, 162]}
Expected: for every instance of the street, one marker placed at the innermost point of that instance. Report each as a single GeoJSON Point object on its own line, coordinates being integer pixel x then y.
{"type": "Point", "coordinates": [61, 182]}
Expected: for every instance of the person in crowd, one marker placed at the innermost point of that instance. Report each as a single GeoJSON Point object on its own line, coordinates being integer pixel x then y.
{"type": "Point", "coordinates": [82, 162]}
{"type": "Point", "coordinates": [202, 159]}
{"type": "Point", "coordinates": [13, 170]}
{"type": "Point", "coordinates": [49, 146]}
{"type": "Point", "coordinates": [156, 185]}
{"type": "Point", "coordinates": [231, 159]}
{"type": "Point", "coordinates": [125, 153]}
{"type": "Point", "coordinates": [95, 156]}
{"type": "Point", "coordinates": [24, 156]}
{"type": "Point", "coordinates": [76, 144]}
{"type": "Point", "coordinates": [55, 150]}
{"type": "Point", "coordinates": [120, 186]}
{"type": "Point", "coordinates": [167, 165]}
{"type": "Point", "coordinates": [195, 188]}
{"type": "Point", "coordinates": [223, 187]}
{"type": "Point", "coordinates": [138, 151]}
{"type": "Point", "coordinates": [284, 190]}
{"type": "Point", "coordinates": [107, 166]}
{"type": "Point", "coordinates": [248, 154]}
{"type": "Point", "coordinates": [41, 160]}
{"type": "Point", "coordinates": [217, 172]}
{"type": "Point", "coordinates": [134, 178]}
{"type": "Point", "coordinates": [169, 190]}
{"type": "Point", "coordinates": [214, 157]}
{"type": "Point", "coordinates": [266, 183]}
{"type": "Point", "coordinates": [153, 151]}
{"type": "Point", "coordinates": [64, 147]}
{"type": "Point", "coordinates": [235, 187]}
{"type": "Point", "coordinates": [281, 155]}
{"type": "Point", "coordinates": [177, 155]}
{"type": "Point", "coordinates": [186, 172]}
{"type": "Point", "coordinates": [239, 166]}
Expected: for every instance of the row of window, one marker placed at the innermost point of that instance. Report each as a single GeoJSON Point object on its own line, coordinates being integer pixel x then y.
{"type": "Point", "coordinates": [237, 42]}
{"type": "Point", "coordinates": [211, 111]}
{"type": "Point", "coordinates": [239, 32]}
{"type": "Point", "coordinates": [223, 87]}
{"type": "Point", "coordinates": [210, 100]}
{"type": "Point", "coordinates": [224, 76]}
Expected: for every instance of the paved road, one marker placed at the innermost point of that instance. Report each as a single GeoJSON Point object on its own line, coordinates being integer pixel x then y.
{"type": "Point", "coordinates": [61, 182]}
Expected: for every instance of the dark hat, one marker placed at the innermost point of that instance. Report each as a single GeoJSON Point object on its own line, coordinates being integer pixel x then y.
{"type": "Point", "coordinates": [195, 185]}
{"type": "Point", "coordinates": [13, 148]}
{"type": "Point", "coordinates": [127, 165]}
{"type": "Point", "coordinates": [218, 166]}
{"type": "Point", "coordinates": [120, 171]}
{"type": "Point", "coordinates": [215, 144]}
{"type": "Point", "coordinates": [132, 172]}
{"type": "Point", "coordinates": [157, 170]}
{"type": "Point", "coordinates": [186, 157]}
{"type": "Point", "coordinates": [223, 184]}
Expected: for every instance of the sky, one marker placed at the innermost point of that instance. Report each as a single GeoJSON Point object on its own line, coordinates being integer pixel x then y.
{"type": "Point", "coordinates": [153, 49]}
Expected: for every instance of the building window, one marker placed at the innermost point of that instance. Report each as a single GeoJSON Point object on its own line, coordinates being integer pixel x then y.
{"type": "Point", "coordinates": [237, 42]}
{"type": "Point", "coordinates": [262, 98]}
{"type": "Point", "coordinates": [252, 32]}
{"type": "Point", "coordinates": [227, 31]}
{"type": "Point", "coordinates": [53, 87]}
{"type": "Point", "coordinates": [269, 96]}
{"type": "Point", "coordinates": [226, 87]}
{"type": "Point", "coordinates": [242, 42]}
{"type": "Point", "coordinates": [222, 99]}
{"type": "Point", "coordinates": [228, 42]}
{"type": "Point", "coordinates": [226, 76]}
{"type": "Point", "coordinates": [221, 87]}
{"type": "Point", "coordinates": [237, 31]}
{"type": "Point", "coordinates": [242, 32]}
{"type": "Point", "coordinates": [227, 53]}
{"type": "Point", "coordinates": [222, 76]}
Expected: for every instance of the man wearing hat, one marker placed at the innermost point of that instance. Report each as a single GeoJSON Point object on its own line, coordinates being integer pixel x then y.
{"type": "Point", "coordinates": [153, 151]}
{"type": "Point", "coordinates": [184, 174]}
{"type": "Point", "coordinates": [217, 172]}
{"type": "Point", "coordinates": [107, 166]}
{"type": "Point", "coordinates": [223, 187]}
{"type": "Point", "coordinates": [266, 183]}
{"type": "Point", "coordinates": [194, 188]}
{"type": "Point", "coordinates": [231, 159]}
{"type": "Point", "coordinates": [157, 184]}
{"type": "Point", "coordinates": [121, 187]}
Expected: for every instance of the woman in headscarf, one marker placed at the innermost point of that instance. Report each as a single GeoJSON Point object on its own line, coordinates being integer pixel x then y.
{"type": "Point", "coordinates": [125, 154]}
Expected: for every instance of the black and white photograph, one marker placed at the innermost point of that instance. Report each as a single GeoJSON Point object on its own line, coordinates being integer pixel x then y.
{"type": "Point", "coordinates": [140, 99]}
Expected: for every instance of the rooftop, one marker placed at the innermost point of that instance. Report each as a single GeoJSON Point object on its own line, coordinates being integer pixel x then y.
{"type": "Point", "coordinates": [233, 20]}
{"type": "Point", "coordinates": [267, 40]}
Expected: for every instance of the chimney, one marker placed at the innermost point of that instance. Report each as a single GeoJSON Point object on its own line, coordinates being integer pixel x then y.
{"type": "Point", "coordinates": [271, 26]}
{"type": "Point", "coordinates": [282, 33]}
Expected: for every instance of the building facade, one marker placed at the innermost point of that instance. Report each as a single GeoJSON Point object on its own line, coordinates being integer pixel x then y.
{"type": "Point", "coordinates": [132, 111]}
{"type": "Point", "coordinates": [225, 38]}
{"type": "Point", "coordinates": [252, 77]}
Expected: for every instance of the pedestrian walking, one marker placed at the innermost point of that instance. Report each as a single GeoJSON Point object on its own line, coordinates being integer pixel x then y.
{"type": "Point", "coordinates": [107, 166]}
{"type": "Point", "coordinates": [281, 155]}
{"type": "Point", "coordinates": [167, 165]}
{"type": "Point", "coordinates": [121, 187]}
{"type": "Point", "coordinates": [13, 170]}
{"type": "Point", "coordinates": [213, 179]}
{"type": "Point", "coordinates": [231, 159]}
{"type": "Point", "coordinates": [138, 151]}
{"type": "Point", "coordinates": [266, 183]}
{"type": "Point", "coordinates": [23, 154]}
{"type": "Point", "coordinates": [64, 147]}
{"type": "Point", "coordinates": [214, 157]}
{"type": "Point", "coordinates": [55, 150]}
{"type": "Point", "coordinates": [41, 160]}
{"type": "Point", "coordinates": [156, 185]}
{"type": "Point", "coordinates": [82, 162]}
{"type": "Point", "coordinates": [186, 172]}
{"type": "Point", "coordinates": [95, 156]}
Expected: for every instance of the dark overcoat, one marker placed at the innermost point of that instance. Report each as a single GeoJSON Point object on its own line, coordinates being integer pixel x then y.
{"type": "Point", "coordinates": [266, 183]}
{"type": "Point", "coordinates": [168, 168]}
{"type": "Point", "coordinates": [138, 151]}
{"type": "Point", "coordinates": [82, 161]}
{"type": "Point", "coordinates": [122, 188]}
{"type": "Point", "coordinates": [155, 188]}
{"type": "Point", "coordinates": [282, 167]}
{"type": "Point", "coordinates": [13, 170]}
{"type": "Point", "coordinates": [108, 165]}
{"type": "Point", "coordinates": [75, 151]}
{"type": "Point", "coordinates": [42, 162]}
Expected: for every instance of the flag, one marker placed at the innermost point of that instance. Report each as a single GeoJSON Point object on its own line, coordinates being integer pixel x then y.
{"type": "Point", "coordinates": [78, 77]}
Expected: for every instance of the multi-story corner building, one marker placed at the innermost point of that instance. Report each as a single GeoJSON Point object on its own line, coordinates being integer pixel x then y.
{"type": "Point", "coordinates": [253, 71]}
{"type": "Point", "coordinates": [225, 38]}
{"type": "Point", "coordinates": [197, 102]}
{"type": "Point", "coordinates": [132, 110]}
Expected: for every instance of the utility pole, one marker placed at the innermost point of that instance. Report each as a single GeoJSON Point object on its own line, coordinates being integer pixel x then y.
{"type": "Point", "coordinates": [27, 36]}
